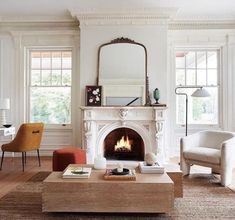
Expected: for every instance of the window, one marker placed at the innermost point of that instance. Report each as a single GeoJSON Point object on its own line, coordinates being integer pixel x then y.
{"type": "Point", "coordinates": [50, 79]}
{"type": "Point", "coordinates": [197, 68]}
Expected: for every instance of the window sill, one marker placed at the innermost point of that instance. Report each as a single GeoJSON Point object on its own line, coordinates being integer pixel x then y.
{"type": "Point", "coordinates": [192, 126]}
{"type": "Point", "coordinates": [54, 127]}
{"type": "Point", "coordinates": [196, 128]}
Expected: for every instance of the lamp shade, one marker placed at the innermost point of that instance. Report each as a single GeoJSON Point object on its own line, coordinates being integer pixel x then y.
{"type": "Point", "coordinates": [4, 103]}
{"type": "Point", "coordinates": [201, 93]}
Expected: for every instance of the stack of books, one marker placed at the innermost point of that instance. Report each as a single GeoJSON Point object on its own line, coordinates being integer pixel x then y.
{"type": "Point", "coordinates": [77, 172]}
{"type": "Point", "coordinates": [156, 168]}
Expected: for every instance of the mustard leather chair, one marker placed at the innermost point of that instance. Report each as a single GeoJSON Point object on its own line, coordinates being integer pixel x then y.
{"type": "Point", "coordinates": [28, 138]}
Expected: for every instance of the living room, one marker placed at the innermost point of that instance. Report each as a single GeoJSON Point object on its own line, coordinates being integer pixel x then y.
{"type": "Point", "coordinates": [52, 54]}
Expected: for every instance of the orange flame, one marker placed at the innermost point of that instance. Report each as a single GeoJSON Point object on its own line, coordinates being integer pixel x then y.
{"type": "Point", "coordinates": [123, 144]}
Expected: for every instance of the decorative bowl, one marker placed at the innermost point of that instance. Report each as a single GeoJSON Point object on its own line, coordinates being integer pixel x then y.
{"type": "Point", "coordinates": [124, 172]}
{"type": "Point", "coordinates": [7, 125]}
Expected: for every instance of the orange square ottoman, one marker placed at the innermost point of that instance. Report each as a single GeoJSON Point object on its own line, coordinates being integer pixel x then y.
{"type": "Point", "coordinates": [68, 155]}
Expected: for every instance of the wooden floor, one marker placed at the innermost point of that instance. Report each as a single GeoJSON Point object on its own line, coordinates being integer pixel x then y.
{"type": "Point", "coordinates": [11, 174]}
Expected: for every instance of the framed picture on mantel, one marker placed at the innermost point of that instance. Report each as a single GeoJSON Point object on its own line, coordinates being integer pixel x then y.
{"type": "Point", "coordinates": [93, 95]}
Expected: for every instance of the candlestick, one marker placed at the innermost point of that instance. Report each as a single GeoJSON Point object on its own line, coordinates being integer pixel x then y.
{"type": "Point", "coordinates": [120, 167]}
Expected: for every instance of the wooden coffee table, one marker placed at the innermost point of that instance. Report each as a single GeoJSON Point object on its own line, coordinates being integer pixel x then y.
{"type": "Point", "coordinates": [148, 194]}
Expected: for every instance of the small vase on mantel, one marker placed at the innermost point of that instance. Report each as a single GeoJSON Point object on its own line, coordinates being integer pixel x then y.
{"type": "Point", "coordinates": [156, 95]}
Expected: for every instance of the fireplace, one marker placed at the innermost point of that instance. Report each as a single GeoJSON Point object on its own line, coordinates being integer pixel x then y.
{"type": "Point", "coordinates": [142, 127]}
{"type": "Point", "coordinates": [124, 144]}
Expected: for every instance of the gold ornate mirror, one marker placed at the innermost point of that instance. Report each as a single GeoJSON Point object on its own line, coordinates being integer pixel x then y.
{"type": "Point", "coordinates": [122, 72]}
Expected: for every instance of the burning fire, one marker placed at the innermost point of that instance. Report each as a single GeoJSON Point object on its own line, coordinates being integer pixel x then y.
{"type": "Point", "coordinates": [123, 145]}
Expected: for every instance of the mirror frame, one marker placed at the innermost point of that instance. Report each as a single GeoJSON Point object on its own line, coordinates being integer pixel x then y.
{"type": "Point", "coordinates": [123, 40]}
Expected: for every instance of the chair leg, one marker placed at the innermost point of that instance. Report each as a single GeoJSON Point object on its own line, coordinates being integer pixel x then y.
{"type": "Point", "coordinates": [39, 162]}
{"type": "Point", "coordinates": [226, 176]}
{"type": "Point", "coordinates": [184, 167]}
{"type": "Point", "coordinates": [2, 159]}
{"type": "Point", "coordinates": [23, 160]}
{"type": "Point", "coordinates": [215, 171]}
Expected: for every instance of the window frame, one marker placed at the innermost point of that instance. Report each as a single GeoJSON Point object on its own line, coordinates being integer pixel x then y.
{"type": "Point", "coordinates": [28, 50]}
{"type": "Point", "coordinates": [197, 127]}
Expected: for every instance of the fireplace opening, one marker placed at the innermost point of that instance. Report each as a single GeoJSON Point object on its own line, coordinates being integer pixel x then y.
{"type": "Point", "coordinates": [124, 144]}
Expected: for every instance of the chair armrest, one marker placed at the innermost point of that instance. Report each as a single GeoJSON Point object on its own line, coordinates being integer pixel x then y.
{"type": "Point", "coordinates": [189, 141]}
{"type": "Point", "coordinates": [228, 152]}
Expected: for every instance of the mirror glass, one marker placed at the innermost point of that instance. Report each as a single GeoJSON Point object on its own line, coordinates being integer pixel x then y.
{"type": "Point", "coordinates": [122, 72]}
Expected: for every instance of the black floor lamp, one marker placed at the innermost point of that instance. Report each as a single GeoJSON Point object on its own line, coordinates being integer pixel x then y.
{"type": "Point", "coordinates": [200, 92]}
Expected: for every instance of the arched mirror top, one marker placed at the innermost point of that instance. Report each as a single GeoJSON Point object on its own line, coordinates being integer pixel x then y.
{"type": "Point", "coordinates": [122, 72]}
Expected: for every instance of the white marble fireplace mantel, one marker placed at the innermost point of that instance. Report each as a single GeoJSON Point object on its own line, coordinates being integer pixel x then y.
{"type": "Point", "coordinates": [147, 121]}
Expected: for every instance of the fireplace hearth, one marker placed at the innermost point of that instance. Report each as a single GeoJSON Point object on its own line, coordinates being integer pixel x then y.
{"type": "Point", "coordinates": [124, 144]}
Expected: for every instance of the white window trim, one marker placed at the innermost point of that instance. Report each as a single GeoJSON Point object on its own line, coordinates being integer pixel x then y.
{"type": "Point", "coordinates": [27, 84]}
{"type": "Point", "coordinates": [197, 127]}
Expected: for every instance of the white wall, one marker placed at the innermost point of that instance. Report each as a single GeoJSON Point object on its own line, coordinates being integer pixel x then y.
{"type": "Point", "coordinates": [154, 37]}
{"type": "Point", "coordinates": [13, 78]}
{"type": "Point", "coordinates": [229, 81]}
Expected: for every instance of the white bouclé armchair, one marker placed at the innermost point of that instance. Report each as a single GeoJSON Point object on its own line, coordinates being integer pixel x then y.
{"type": "Point", "coordinates": [215, 149]}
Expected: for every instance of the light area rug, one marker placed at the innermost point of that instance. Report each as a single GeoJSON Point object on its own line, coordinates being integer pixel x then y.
{"type": "Point", "coordinates": [204, 198]}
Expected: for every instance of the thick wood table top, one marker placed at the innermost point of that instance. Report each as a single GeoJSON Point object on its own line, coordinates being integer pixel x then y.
{"type": "Point", "coordinates": [98, 176]}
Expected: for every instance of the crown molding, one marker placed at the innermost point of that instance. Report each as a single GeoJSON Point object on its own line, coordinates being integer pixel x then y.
{"type": "Point", "coordinates": [34, 18]}
{"type": "Point", "coordinates": [129, 16]}
{"type": "Point", "coordinates": [39, 25]}
{"type": "Point", "coordinates": [201, 24]}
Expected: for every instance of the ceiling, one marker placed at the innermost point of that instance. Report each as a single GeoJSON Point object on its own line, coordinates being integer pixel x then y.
{"type": "Point", "coordinates": [60, 9]}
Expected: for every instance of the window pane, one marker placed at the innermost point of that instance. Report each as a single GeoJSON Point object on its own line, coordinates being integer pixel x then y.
{"type": "Point", "coordinates": [180, 60]}
{"type": "Point", "coordinates": [46, 77]}
{"type": "Point", "coordinates": [66, 60]}
{"type": "Point", "coordinates": [35, 60]}
{"type": "Point", "coordinates": [50, 105]}
{"type": "Point", "coordinates": [66, 77]}
{"type": "Point", "coordinates": [50, 101]}
{"type": "Point", "coordinates": [56, 60]}
{"type": "Point", "coordinates": [212, 59]}
{"type": "Point", "coordinates": [201, 59]}
{"type": "Point", "coordinates": [212, 77]}
{"type": "Point", "coordinates": [201, 77]}
{"type": "Point", "coordinates": [56, 78]}
{"type": "Point", "coordinates": [190, 77]}
{"type": "Point", "coordinates": [201, 110]}
{"type": "Point", "coordinates": [204, 110]}
{"type": "Point", "coordinates": [35, 77]}
{"type": "Point", "coordinates": [190, 60]}
{"type": "Point", "coordinates": [46, 60]}
{"type": "Point", "coordinates": [180, 77]}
